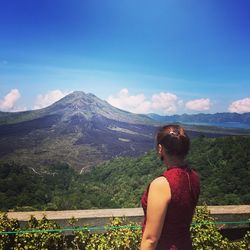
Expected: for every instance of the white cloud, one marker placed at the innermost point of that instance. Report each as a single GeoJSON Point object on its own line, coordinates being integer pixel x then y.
{"type": "Point", "coordinates": [164, 103]}
{"type": "Point", "coordinates": [8, 102]}
{"type": "Point", "coordinates": [132, 103]}
{"type": "Point", "coordinates": [49, 98]}
{"type": "Point", "coordinates": [199, 104]}
{"type": "Point", "coordinates": [161, 103]}
{"type": "Point", "coordinates": [240, 106]}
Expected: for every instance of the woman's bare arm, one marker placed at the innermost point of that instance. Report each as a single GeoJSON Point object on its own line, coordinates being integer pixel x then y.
{"type": "Point", "coordinates": [158, 198]}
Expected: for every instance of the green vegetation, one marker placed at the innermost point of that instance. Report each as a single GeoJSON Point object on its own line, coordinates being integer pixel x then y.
{"type": "Point", "coordinates": [223, 164]}
{"type": "Point", "coordinates": [23, 189]}
{"type": "Point", "coordinates": [224, 167]}
{"type": "Point", "coordinates": [119, 234]}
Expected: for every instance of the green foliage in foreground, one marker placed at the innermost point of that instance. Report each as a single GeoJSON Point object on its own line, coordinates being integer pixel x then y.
{"type": "Point", "coordinates": [205, 236]}
{"type": "Point", "coordinates": [223, 164]}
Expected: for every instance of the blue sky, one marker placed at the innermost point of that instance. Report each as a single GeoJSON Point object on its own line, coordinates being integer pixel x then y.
{"type": "Point", "coordinates": [156, 56]}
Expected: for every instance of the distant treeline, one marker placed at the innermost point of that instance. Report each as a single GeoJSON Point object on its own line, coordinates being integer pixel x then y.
{"type": "Point", "coordinates": [223, 164]}
{"type": "Point", "coordinates": [206, 118]}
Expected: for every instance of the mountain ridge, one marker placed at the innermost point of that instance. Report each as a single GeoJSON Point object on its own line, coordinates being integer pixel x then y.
{"type": "Point", "coordinates": [79, 103]}
{"type": "Point", "coordinates": [206, 118]}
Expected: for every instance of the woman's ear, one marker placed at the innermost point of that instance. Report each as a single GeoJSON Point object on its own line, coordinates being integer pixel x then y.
{"type": "Point", "coordinates": [160, 149]}
{"type": "Point", "coordinates": [160, 152]}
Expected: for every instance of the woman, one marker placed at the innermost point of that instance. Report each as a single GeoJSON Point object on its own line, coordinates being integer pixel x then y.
{"type": "Point", "coordinates": [170, 200]}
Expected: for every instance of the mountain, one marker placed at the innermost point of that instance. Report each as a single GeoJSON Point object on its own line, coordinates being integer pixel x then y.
{"type": "Point", "coordinates": [80, 130]}
{"type": "Point", "coordinates": [204, 118]}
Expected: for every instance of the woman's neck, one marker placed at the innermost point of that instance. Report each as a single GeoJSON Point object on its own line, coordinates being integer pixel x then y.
{"type": "Point", "coordinates": [173, 161]}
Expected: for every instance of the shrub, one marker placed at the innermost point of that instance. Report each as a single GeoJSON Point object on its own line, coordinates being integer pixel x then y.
{"type": "Point", "coordinates": [119, 235]}
{"type": "Point", "coordinates": [206, 236]}
{"type": "Point", "coordinates": [37, 240]}
{"type": "Point", "coordinates": [7, 225]}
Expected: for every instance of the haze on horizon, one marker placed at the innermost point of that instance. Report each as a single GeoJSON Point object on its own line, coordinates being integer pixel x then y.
{"type": "Point", "coordinates": [165, 57]}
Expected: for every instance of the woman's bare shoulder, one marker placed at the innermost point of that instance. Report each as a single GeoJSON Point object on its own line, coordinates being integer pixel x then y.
{"type": "Point", "coordinates": [159, 188]}
{"type": "Point", "coordinates": [160, 183]}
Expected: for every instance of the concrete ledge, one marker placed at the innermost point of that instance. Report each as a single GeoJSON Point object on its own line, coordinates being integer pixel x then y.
{"type": "Point", "coordinates": [100, 217]}
{"type": "Point", "coordinates": [78, 214]}
{"type": "Point", "coordinates": [230, 209]}
{"type": "Point", "coordinates": [93, 218]}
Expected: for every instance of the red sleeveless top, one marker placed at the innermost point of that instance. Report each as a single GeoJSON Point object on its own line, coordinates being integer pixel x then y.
{"type": "Point", "coordinates": [185, 189]}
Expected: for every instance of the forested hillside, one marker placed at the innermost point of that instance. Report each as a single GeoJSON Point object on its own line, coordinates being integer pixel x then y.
{"type": "Point", "coordinates": [223, 164]}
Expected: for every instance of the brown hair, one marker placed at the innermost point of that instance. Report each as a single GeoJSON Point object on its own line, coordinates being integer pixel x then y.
{"type": "Point", "coordinates": [174, 140]}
